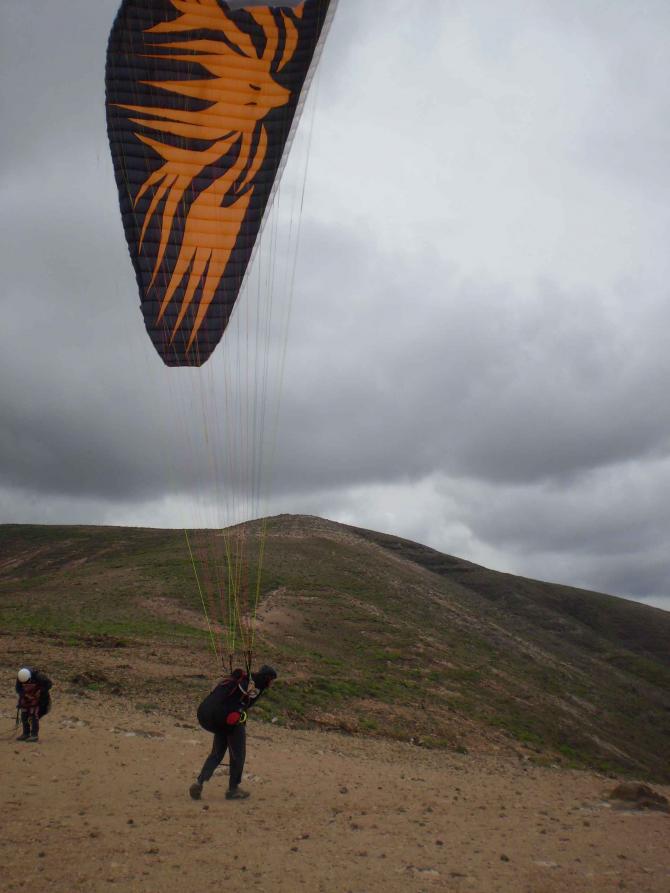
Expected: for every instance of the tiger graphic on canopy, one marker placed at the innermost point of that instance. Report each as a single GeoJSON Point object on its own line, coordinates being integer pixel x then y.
{"type": "Point", "coordinates": [201, 99]}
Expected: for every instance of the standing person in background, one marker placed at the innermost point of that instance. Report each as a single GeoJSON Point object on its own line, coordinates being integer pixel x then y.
{"type": "Point", "coordinates": [34, 701]}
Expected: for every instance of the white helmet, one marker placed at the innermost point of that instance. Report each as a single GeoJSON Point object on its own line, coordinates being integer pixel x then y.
{"type": "Point", "coordinates": [24, 674]}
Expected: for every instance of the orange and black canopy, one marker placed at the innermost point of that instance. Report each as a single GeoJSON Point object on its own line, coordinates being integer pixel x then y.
{"type": "Point", "coordinates": [201, 97]}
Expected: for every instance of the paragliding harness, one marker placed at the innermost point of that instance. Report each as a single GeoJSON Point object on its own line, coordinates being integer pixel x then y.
{"type": "Point", "coordinates": [43, 704]}
{"type": "Point", "coordinates": [214, 716]}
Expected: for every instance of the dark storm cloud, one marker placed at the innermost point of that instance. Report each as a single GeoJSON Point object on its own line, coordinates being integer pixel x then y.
{"type": "Point", "coordinates": [71, 420]}
{"type": "Point", "coordinates": [624, 510]}
{"type": "Point", "coordinates": [407, 370]}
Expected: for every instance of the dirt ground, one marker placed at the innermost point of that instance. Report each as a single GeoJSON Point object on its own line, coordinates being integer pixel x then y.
{"type": "Point", "coordinates": [102, 803]}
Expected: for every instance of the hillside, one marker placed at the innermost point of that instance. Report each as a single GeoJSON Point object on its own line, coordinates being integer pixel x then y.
{"type": "Point", "coordinates": [373, 635]}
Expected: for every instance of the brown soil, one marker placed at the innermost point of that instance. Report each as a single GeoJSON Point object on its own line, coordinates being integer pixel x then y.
{"type": "Point", "coordinates": [168, 609]}
{"type": "Point", "coordinates": [102, 803]}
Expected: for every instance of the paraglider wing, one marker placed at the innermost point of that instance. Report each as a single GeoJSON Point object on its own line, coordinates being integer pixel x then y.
{"type": "Point", "coordinates": [201, 99]}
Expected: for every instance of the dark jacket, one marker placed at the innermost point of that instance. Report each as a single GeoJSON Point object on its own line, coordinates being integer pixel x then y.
{"type": "Point", "coordinates": [226, 706]}
{"type": "Point", "coordinates": [34, 693]}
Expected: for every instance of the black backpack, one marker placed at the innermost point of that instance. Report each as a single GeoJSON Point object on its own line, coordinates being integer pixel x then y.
{"type": "Point", "coordinates": [44, 705]}
{"type": "Point", "coordinates": [223, 703]}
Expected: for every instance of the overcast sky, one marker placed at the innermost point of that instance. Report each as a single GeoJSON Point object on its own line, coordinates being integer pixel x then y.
{"type": "Point", "coordinates": [477, 356]}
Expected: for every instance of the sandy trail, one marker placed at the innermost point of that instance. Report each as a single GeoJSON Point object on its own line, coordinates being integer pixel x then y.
{"type": "Point", "coordinates": [102, 802]}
